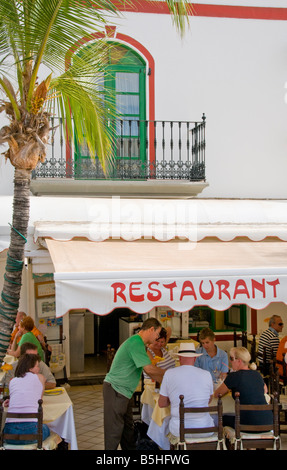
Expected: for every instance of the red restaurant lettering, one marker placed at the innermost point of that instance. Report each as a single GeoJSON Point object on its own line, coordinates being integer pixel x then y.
{"type": "Point", "coordinates": [154, 297]}
{"type": "Point", "coordinates": [133, 297]}
{"type": "Point", "coordinates": [187, 289]}
{"type": "Point", "coordinates": [223, 286]}
{"type": "Point", "coordinates": [177, 290]}
{"type": "Point", "coordinates": [241, 288]}
{"type": "Point", "coordinates": [209, 295]}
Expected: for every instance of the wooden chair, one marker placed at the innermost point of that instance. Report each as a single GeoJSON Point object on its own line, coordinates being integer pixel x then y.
{"type": "Point", "coordinates": [110, 356]}
{"type": "Point", "coordinates": [276, 388]}
{"type": "Point", "coordinates": [137, 399]}
{"type": "Point", "coordinates": [244, 339]}
{"type": "Point", "coordinates": [213, 442]}
{"type": "Point", "coordinates": [261, 436]}
{"type": "Point", "coordinates": [264, 365]}
{"type": "Point", "coordinates": [50, 443]}
{"type": "Point", "coordinates": [253, 349]}
{"type": "Point", "coordinates": [282, 370]}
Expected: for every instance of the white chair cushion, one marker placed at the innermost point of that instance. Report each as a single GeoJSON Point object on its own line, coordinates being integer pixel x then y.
{"type": "Point", "coordinates": [174, 440]}
{"type": "Point", "coordinates": [262, 435]}
{"type": "Point", "coordinates": [50, 443]}
{"type": "Point", "coordinates": [192, 440]}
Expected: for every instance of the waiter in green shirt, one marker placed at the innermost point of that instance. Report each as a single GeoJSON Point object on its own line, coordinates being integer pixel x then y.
{"type": "Point", "coordinates": [121, 382]}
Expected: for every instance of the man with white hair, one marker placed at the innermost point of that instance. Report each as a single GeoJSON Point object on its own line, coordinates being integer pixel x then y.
{"type": "Point", "coordinates": [269, 340]}
{"type": "Point", "coordinates": [193, 383]}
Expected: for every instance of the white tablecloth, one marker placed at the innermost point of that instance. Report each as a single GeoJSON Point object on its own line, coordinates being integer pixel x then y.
{"type": "Point", "coordinates": [159, 424]}
{"type": "Point", "coordinates": [59, 416]}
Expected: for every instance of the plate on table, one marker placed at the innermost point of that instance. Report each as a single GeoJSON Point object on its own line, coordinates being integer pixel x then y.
{"type": "Point", "coordinates": [53, 391]}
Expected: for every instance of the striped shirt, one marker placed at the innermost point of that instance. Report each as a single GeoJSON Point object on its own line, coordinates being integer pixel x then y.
{"type": "Point", "coordinates": [269, 339]}
{"type": "Point", "coordinates": [167, 363]}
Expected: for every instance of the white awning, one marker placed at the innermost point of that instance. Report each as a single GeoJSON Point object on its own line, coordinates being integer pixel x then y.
{"type": "Point", "coordinates": [143, 274]}
{"type": "Point", "coordinates": [133, 219]}
{"type": "Point", "coordinates": [98, 219]}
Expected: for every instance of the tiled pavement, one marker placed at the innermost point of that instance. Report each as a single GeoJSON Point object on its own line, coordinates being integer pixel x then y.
{"type": "Point", "coordinates": [88, 414]}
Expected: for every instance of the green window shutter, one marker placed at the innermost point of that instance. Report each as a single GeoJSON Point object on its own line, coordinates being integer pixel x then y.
{"type": "Point", "coordinates": [124, 95]}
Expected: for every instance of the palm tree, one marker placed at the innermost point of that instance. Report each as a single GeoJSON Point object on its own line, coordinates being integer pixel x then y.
{"type": "Point", "coordinates": [35, 38]}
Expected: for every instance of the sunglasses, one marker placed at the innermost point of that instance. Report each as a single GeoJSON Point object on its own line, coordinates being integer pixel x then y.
{"type": "Point", "coordinates": [280, 324]}
{"type": "Point", "coordinates": [232, 358]}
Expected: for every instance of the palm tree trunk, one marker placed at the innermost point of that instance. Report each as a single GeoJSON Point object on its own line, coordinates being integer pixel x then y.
{"type": "Point", "coordinates": [10, 295]}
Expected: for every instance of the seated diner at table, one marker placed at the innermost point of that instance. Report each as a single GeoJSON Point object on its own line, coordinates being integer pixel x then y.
{"type": "Point", "coordinates": [193, 383]}
{"type": "Point", "coordinates": [30, 348]}
{"type": "Point", "coordinates": [250, 384]}
{"type": "Point", "coordinates": [25, 331]}
{"type": "Point", "coordinates": [25, 389]}
{"type": "Point", "coordinates": [36, 332]}
{"type": "Point", "coordinates": [212, 358]}
{"type": "Point", "coordinates": [158, 353]}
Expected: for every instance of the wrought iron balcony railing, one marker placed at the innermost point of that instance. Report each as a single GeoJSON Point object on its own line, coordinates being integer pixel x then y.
{"type": "Point", "coordinates": [143, 150]}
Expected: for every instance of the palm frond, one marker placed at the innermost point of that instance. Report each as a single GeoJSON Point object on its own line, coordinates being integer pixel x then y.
{"type": "Point", "coordinates": [79, 101]}
{"type": "Point", "coordinates": [180, 11]}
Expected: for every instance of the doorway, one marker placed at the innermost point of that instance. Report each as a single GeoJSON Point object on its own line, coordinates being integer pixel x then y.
{"type": "Point", "coordinates": [98, 332]}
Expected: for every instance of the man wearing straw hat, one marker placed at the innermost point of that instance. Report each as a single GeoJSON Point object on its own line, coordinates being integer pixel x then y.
{"type": "Point", "coordinates": [194, 383]}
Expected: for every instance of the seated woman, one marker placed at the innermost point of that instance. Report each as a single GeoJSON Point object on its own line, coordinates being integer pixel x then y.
{"type": "Point", "coordinates": [25, 389]}
{"type": "Point", "coordinates": [25, 331]}
{"type": "Point", "coordinates": [158, 353]}
{"type": "Point", "coordinates": [250, 384]}
{"type": "Point", "coordinates": [213, 359]}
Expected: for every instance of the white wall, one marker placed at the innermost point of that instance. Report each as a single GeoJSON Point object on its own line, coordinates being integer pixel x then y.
{"type": "Point", "coordinates": [235, 71]}
{"type": "Point", "coordinates": [6, 177]}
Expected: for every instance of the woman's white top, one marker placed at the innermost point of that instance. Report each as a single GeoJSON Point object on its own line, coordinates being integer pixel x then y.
{"type": "Point", "coordinates": [24, 395]}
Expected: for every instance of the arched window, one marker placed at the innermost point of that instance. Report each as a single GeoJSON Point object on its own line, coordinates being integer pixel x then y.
{"type": "Point", "coordinates": [123, 84]}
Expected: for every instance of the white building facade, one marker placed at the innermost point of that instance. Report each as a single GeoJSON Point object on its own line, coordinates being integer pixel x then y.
{"type": "Point", "coordinates": [228, 74]}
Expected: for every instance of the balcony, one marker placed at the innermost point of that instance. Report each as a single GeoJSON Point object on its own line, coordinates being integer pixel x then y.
{"type": "Point", "coordinates": [151, 159]}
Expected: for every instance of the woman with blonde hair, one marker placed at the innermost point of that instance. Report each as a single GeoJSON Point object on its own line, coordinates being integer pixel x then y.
{"type": "Point", "coordinates": [250, 384]}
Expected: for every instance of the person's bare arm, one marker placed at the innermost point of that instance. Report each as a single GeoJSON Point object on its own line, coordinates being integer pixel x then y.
{"type": "Point", "coordinates": [221, 390]}
{"type": "Point", "coordinates": [163, 401]}
{"type": "Point", "coordinates": [50, 385]}
{"type": "Point", "coordinates": [15, 353]}
{"type": "Point", "coordinates": [155, 373]}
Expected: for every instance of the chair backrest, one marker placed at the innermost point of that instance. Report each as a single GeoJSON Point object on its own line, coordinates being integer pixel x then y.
{"type": "Point", "coordinates": [208, 409]}
{"type": "Point", "coordinates": [265, 361]}
{"type": "Point", "coordinates": [282, 369]}
{"type": "Point", "coordinates": [24, 416]}
{"type": "Point", "coordinates": [244, 339]}
{"type": "Point", "coordinates": [110, 356]}
{"type": "Point", "coordinates": [256, 428]}
{"type": "Point", "coordinates": [274, 386]}
{"type": "Point", "coordinates": [253, 348]}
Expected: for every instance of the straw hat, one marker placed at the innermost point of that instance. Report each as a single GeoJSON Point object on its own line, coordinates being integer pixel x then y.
{"type": "Point", "coordinates": [187, 350]}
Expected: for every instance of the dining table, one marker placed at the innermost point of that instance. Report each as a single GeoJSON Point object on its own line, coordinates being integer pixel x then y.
{"type": "Point", "coordinates": [58, 411]}
{"type": "Point", "coordinates": [58, 414]}
{"type": "Point", "coordinates": [158, 422]}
